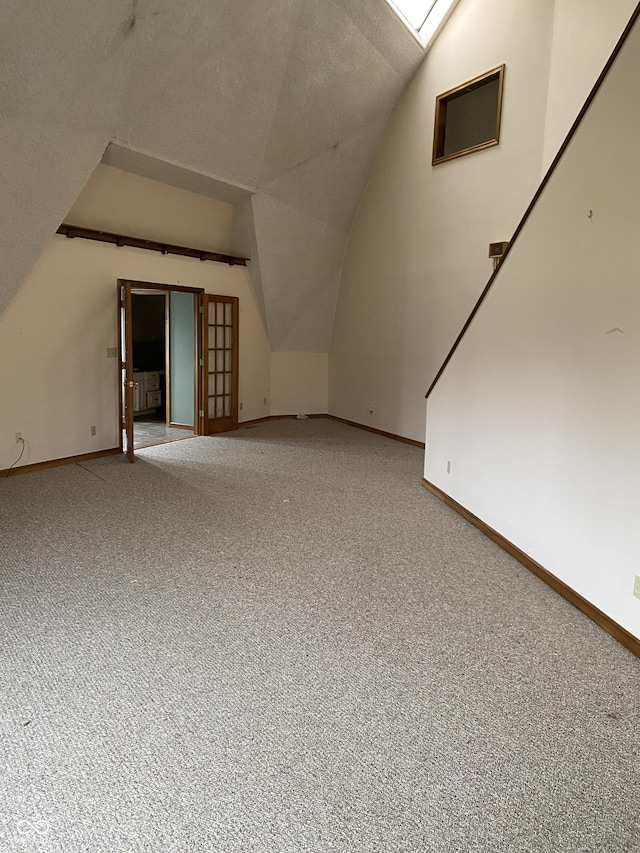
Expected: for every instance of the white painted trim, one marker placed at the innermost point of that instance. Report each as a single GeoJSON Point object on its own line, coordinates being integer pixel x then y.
{"type": "Point", "coordinates": [435, 20]}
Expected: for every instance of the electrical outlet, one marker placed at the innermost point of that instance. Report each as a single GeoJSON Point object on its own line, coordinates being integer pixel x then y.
{"type": "Point", "coordinates": [241, 406]}
{"type": "Point", "coordinates": [93, 430]}
{"type": "Point", "coordinates": [370, 410]}
{"type": "Point", "coordinates": [449, 467]}
{"type": "Point", "coordinates": [18, 437]}
{"type": "Point", "coordinates": [112, 352]}
{"type": "Point", "coordinates": [636, 587]}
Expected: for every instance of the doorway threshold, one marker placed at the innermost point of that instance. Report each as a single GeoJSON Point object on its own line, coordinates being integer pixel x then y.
{"type": "Point", "coordinates": [146, 433]}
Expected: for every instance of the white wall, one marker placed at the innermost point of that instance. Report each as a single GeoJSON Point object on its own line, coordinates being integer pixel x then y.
{"type": "Point", "coordinates": [56, 380]}
{"type": "Point", "coordinates": [121, 202]}
{"type": "Point", "coordinates": [416, 259]}
{"type": "Point", "coordinates": [584, 35]}
{"type": "Point", "coordinates": [55, 333]}
{"type": "Point", "coordinates": [539, 409]}
{"type": "Point", "coordinates": [299, 383]}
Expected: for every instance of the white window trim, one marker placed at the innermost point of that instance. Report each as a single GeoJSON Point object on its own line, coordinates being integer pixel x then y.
{"type": "Point", "coordinates": [435, 20]}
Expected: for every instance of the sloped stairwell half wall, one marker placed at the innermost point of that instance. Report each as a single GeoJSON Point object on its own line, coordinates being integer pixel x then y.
{"type": "Point", "coordinates": [534, 425]}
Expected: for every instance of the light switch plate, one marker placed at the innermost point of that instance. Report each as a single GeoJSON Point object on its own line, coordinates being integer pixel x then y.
{"type": "Point", "coordinates": [636, 587]}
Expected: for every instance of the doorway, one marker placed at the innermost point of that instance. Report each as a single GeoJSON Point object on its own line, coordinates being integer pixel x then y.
{"type": "Point", "coordinates": [159, 350]}
{"type": "Point", "coordinates": [179, 363]}
{"type": "Point", "coordinates": [150, 313]}
{"type": "Point", "coordinates": [164, 366]}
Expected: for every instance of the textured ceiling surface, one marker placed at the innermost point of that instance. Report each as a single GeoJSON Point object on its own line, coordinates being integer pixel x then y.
{"type": "Point", "coordinates": [274, 105]}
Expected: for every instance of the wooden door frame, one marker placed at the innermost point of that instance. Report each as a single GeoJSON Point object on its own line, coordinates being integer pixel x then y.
{"type": "Point", "coordinates": [198, 414]}
{"type": "Point", "coordinates": [231, 422]}
{"type": "Point", "coordinates": [125, 373]}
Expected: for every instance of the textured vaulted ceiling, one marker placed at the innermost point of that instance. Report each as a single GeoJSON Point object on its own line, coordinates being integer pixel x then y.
{"type": "Point", "coordinates": [274, 105]}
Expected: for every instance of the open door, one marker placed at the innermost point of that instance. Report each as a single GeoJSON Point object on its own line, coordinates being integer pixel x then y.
{"type": "Point", "coordinates": [220, 334]}
{"type": "Point", "coordinates": [182, 366]}
{"type": "Point", "coordinates": [126, 363]}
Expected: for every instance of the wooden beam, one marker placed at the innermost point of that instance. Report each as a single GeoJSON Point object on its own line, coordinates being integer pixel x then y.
{"type": "Point", "coordinates": [72, 231]}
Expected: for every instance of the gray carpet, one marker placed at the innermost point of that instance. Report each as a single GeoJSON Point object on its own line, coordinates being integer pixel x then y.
{"type": "Point", "coordinates": [276, 640]}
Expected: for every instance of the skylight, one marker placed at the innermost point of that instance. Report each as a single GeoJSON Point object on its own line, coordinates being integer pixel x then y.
{"type": "Point", "coordinates": [423, 17]}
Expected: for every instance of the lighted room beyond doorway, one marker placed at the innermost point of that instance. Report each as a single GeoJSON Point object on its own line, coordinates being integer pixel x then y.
{"type": "Point", "coordinates": [163, 327]}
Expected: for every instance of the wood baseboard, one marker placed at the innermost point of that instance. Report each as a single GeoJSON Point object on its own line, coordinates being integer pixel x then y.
{"type": "Point", "coordinates": [392, 435]}
{"type": "Point", "coordinates": [339, 420]}
{"type": "Point", "coordinates": [268, 418]}
{"type": "Point", "coordinates": [54, 463]}
{"type": "Point", "coordinates": [253, 422]}
{"type": "Point", "coordinates": [594, 613]}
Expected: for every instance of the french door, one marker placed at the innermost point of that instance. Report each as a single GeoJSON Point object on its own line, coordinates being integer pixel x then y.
{"type": "Point", "coordinates": [125, 330]}
{"type": "Point", "coordinates": [217, 340]}
{"type": "Point", "coordinates": [220, 334]}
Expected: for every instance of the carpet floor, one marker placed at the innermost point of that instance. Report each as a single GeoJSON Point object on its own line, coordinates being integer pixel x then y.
{"type": "Point", "coordinates": [276, 640]}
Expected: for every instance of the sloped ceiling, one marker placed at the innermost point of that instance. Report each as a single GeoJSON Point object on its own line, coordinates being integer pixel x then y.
{"type": "Point", "coordinates": [275, 105]}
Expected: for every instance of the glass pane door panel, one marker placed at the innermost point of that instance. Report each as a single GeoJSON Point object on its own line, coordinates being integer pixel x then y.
{"type": "Point", "coordinates": [221, 381]}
